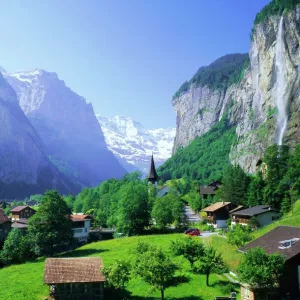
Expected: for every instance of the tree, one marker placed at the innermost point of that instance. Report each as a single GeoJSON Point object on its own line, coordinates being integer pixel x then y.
{"type": "Point", "coordinates": [118, 274]}
{"type": "Point", "coordinates": [239, 235]}
{"type": "Point", "coordinates": [255, 190]}
{"type": "Point", "coordinates": [51, 225]}
{"type": "Point", "coordinates": [235, 185]}
{"type": "Point", "coordinates": [154, 267]}
{"type": "Point", "coordinates": [162, 212]}
{"type": "Point", "coordinates": [133, 208]}
{"type": "Point", "coordinates": [210, 262]}
{"type": "Point", "coordinates": [17, 248]}
{"type": "Point", "coordinates": [261, 270]}
{"type": "Point", "coordinates": [189, 248]}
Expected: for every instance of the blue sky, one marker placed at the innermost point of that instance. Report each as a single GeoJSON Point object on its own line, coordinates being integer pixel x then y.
{"type": "Point", "coordinates": [127, 57]}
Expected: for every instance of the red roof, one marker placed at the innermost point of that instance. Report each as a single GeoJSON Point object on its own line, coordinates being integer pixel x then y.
{"type": "Point", "coordinates": [77, 218]}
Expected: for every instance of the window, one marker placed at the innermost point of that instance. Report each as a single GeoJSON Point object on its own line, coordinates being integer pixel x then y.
{"type": "Point", "coordinates": [288, 243]}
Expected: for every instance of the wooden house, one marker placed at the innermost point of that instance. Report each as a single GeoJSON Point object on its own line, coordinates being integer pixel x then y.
{"type": "Point", "coordinates": [21, 212]}
{"type": "Point", "coordinates": [5, 226]}
{"type": "Point", "coordinates": [81, 225]}
{"type": "Point", "coordinates": [284, 240]}
{"type": "Point", "coordinates": [75, 278]}
{"type": "Point", "coordinates": [210, 189]}
{"type": "Point", "coordinates": [264, 215]}
{"type": "Point", "coordinates": [218, 213]}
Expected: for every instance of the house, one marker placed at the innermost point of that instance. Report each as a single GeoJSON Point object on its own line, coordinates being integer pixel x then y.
{"type": "Point", "coordinates": [218, 213]}
{"type": "Point", "coordinates": [210, 189]}
{"type": "Point", "coordinates": [75, 278]}
{"type": "Point", "coordinates": [165, 190]}
{"type": "Point", "coordinates": [81, 224]}
{"type": "Point", "coordinates": [21, 212]}
{"type": "Point", "coordinates": [5, 225]}
{"type": "Point", "coordinates": [264, 215]}
{"type": "Point", "coordinates": [20, 224]}
{"type": "Point", "coordinates": [284, 240]}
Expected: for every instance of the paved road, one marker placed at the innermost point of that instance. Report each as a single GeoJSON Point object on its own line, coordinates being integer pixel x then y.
{"type": "Point", "coordinates": [192, 217]}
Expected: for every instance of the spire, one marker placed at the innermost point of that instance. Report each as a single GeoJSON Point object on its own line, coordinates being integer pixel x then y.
{"type": "Point", "coordinates": [152, 175]}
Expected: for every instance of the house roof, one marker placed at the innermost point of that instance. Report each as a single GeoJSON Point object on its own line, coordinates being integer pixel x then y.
{"type": "Point", "coordinates": [216, 183]}
{"type": "Point", "coordinates": [3, 217]}
{"type": "Point", "coordinates": [67, 270]}
{"type": "Point", "coordinates": [18, 225]}
{"type": "Point", "coordinates": [165, 190]}
{"type": "Point", "coordinates": [254, 211]}
{"type": "Point", "coordinates": [240, 207]}
{"type": "Point", "coordinates": [77, 218]}
{"type": "Point", "coordinates": [208, 190]}
{"type": "Point", "coordinates": [216, 206]}
{"type": "Point", "coordinates": [271, 241]}
{"type": "Point", "coordinates": [19, 208]}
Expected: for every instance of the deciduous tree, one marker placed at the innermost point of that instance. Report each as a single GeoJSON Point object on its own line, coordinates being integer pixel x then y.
{"type": "Point", "coordinates": [51, 225]}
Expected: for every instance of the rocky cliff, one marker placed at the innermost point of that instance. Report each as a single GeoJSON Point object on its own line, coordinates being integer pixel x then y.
{"type": "Point", "coordinates": [263, 104]}
{"type": "Point", "coordinates": [67, 126]}
{"type": "Point", "coordinates": [24, 166]}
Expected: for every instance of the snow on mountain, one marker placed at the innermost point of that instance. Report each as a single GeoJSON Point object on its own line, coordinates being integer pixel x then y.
{"type": "Point", "coordinates": [67, 125]}
{"type": "Point", "coordinates": [133, 145]}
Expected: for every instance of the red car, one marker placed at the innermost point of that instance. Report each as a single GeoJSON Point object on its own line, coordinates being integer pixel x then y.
{"type": "Point", "coordinates": [192, 232]}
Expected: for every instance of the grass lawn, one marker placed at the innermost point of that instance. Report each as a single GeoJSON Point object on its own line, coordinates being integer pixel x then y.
{"type": "Point", "coordinates": [25, 281]}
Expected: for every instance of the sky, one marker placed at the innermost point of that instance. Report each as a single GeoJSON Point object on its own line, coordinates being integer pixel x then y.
{"type": "Point", "coordinates": [127, 57]}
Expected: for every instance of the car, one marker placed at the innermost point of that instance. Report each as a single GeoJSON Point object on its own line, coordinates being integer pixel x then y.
{"type": "Point", "coordinates": [192, 232]}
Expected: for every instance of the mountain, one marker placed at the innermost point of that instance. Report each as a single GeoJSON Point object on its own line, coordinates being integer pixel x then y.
{"type": "Point", "coordinates": [24, 166]}
{"type": "Point", "coordinates": [133, 145]}
{"type": "Point", "coordinates": [257, 93]}
{"type": "Point", "coordinates": [67, 125]}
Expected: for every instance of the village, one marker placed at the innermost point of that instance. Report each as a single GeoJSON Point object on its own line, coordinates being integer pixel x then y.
{"type": "Point", "coordinates": [83, 278]}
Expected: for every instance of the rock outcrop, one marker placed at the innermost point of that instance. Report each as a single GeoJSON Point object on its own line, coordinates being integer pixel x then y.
{"type": "Point", "coordinates": [24, 166]}
{"type": "Point", "coordinates": [67, 126]}
{"type": "Point", "coordinates": [270, 87]}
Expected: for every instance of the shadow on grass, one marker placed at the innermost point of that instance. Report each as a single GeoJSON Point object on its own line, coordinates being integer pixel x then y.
{"type": "Point", "coordinates": [126, 295]}
{"type": "Point", "coordinates": [83, 252]}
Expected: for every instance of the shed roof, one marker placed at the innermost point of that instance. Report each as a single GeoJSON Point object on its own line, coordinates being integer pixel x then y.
{"type": "Point", "coordinates": [254, 211]}
{"type": "Point", "coordinates": [271, 241]}
{"type": "Point", "coordinates": [19, 208]}
{"type": "Point", "coordinates": [216, 206]}
{"type": "Point", "coordinates": [68, 270]}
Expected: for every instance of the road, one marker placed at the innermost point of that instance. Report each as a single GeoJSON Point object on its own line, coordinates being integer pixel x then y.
{"type": "Point", "coordinates": [192, 217]}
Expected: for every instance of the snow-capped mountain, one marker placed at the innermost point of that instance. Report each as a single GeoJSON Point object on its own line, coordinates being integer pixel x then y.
{"type": "Point", "coordinates": [67, 126]}
{"type": "Point", "coordinates": [133, 145]}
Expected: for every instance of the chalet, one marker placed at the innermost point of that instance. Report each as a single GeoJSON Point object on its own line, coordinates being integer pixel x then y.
{"type": "Point", "coordinates": [21, 212]}
{"type": "Point", "coordinates": [81, 224]}
{"type": "Point", "coordinates": [264, 215]}
{"type": "Point", "coordinates": [218, 213]}
{"type": "Point", "coordinates": [75, 278]}
{"type": "Point", "coordinates": [284, 240]}
{"type": "Point", "coordinates": [210, 189]}
{"type": "Point", "coordinates": [5, 225]}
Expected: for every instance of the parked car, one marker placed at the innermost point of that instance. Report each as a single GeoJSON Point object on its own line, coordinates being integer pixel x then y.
{"type": "Point", "coordinates": [192, 232]}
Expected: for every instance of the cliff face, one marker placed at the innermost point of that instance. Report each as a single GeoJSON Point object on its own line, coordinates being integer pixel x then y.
{"type": "Point", "coordinates": [264, 106]}
{"type": "Point", "coordinates": [67, 126]}
{"type": "Point", "coordinates": [24, 166]}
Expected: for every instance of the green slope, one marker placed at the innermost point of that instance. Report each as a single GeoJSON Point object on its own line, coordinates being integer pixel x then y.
{"type": "Point", "coordinates": [25, 281]}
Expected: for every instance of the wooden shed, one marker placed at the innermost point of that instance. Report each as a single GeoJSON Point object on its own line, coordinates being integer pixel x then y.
{"type": "Point", "coordinates": [75, 278]}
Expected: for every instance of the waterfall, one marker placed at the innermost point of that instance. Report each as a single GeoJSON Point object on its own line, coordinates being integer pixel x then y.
{"type": "Point", "coordinates": [280, 84]}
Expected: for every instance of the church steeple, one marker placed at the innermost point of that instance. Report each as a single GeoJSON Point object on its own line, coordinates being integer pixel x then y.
{"type": "Point", "coordinates": [152, 175]}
